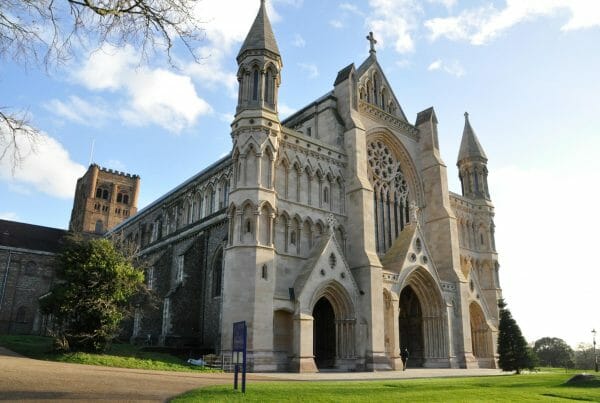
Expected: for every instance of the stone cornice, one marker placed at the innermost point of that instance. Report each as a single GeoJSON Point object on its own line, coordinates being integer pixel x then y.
{"type": "Point", "coordinates": [380, 115]}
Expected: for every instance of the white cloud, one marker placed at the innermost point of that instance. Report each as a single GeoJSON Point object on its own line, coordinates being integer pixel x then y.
{"type": "Point", "coordinates": [453, 67]}
{"type": "Point", "coordinates": [310, 68]}
{"type": "Point", "coordinates": [298, 41]}
{"type": "Point", "coordinates": [9, 215]}
{"type": "Point", "coordinates": [224, 28]}
{"type": "Point", "coordinates": [394, 21]}
{"type": "Point", "coordinates": [446, 3]}
{"type": "Point", "coordinates": [155, 96]}
{"type": "Point", "coordinates": [337, 24]}
{"type": "Point", "coordinates": [46, 167]}
{"type": "Point", "coordinates": [481, 25]}
{"type": "Point", "coordinates": [79, 111]}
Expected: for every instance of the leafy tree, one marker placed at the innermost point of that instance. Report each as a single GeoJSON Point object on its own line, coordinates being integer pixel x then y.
{"type": "Point", "coordinates": [49, 32]}
{"type": "Point", "coordinates": [96, 286]}
{"type": "Point", "coordinates": [584, 356]}
{"type": "Point", "coordinates": [553, 352]}
{"type": "Point", "coordinates": [514, 354]}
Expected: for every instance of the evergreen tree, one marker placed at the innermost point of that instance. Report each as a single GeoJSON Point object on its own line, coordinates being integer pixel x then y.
{"type": "Point", "coordinates": [514, 354]}
{"type": "Point", "coordinates": [93, 295]}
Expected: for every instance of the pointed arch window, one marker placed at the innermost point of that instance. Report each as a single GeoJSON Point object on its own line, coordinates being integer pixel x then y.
{"type": "Point", "coordinates": [255, 83]}
{"type": "Point", "coordinates": [217, 279]}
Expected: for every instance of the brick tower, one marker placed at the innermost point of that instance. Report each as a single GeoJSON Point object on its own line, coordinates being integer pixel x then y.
{"type": "Point", "coordinates": [103, 199]}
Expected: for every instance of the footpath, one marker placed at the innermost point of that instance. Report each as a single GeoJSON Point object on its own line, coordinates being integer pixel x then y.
{"type": "Point", "coordinates": [25, 379]}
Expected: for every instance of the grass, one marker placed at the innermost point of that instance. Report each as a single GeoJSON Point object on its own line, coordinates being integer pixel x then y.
{"type": "Point", "coordinates": [522, 388]}
{"type": "Point", "coordinates": [119, 355]}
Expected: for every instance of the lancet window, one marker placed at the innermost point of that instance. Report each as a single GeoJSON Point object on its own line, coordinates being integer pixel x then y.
{"type": "Point", "coordinates": [390, 194]}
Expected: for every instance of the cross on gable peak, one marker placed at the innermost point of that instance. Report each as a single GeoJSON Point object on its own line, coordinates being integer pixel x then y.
{"type": "Point", "coordinates": [372, 42]}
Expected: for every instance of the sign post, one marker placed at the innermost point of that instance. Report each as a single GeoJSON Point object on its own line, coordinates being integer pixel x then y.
{"type": "Point", "coordinates": [238, 351]}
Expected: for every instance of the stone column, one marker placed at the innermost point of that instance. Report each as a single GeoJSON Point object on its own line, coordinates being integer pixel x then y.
{"type": "Point", "coordinates": [303, 360]}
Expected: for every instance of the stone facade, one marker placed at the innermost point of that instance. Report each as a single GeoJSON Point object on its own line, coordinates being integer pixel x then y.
{"type": "Point", "coordinates": [333, 234]}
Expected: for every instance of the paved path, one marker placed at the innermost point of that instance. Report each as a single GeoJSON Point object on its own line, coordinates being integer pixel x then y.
{"type": "Point", "coordinates": [24, 379]}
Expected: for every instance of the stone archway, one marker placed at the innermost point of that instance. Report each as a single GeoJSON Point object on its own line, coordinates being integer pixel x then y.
{"type": "Point", "coordinates": [333, 327]}
{"type": "Point", "coordinates": [481, 337]}
{"type": "Point", "coordinates": [410, 323]}
{"type": "Point", "coordinates": [422, 320]}
{"type": "Point", "coordinates": [324, 334]}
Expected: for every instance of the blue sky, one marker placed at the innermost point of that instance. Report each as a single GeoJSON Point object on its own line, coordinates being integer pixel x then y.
{"type": "Point", "coordinates": [526, 70]}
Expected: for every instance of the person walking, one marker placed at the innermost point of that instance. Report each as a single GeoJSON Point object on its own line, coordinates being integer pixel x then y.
{"type": "Point", "coordinates": [404, 356]}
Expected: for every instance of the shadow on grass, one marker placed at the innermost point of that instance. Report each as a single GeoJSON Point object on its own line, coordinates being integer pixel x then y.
{"type": "Point", "coordinates": [119, 355]}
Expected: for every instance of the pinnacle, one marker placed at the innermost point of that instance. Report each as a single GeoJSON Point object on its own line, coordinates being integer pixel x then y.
{"type": "Point", "coordinates": [260, 36]}
{"type": "Point", "coordinates": [469, 146]}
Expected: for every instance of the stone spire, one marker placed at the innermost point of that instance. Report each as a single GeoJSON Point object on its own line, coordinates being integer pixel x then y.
{"type": "Point", "coordinates": [260, 36]}
{"type": "Point", "coordinates": [470, 148]}
{"type": "Point", "coordinates": [472, 165]}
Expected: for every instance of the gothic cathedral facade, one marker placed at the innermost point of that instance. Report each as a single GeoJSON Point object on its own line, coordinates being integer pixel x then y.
{"type": "Point", "coordinates": [332, 233]}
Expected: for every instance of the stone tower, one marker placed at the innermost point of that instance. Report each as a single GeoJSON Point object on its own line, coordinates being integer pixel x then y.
{"type": "Point", "coordinates": [249, 278]}
{"type": "Point", "coordinates": [103, 199]}
{"type": "Point", "coordinates": [479, 259]}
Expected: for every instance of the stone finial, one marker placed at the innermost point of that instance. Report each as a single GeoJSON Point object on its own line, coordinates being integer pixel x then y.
{"type": "Point", "coordinates": [332, 223]}
{"type": "Point", "coordinates": [372, 42]}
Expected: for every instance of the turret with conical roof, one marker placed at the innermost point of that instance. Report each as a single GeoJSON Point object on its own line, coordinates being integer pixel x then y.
{"type": "Point", "coordinates": [259, 64]}
{"type": "Point", "coordinates": [472, 165]}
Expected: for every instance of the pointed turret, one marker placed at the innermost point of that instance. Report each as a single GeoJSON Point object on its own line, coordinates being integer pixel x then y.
{"type": "Point", "coordinates": [472, 165]}
{"type": "Point", "coordinates": [470, 146]}
{"type": "Point", "coordinates": [260, 37]}
{"type": "Point", "coordinates": [259, 64]}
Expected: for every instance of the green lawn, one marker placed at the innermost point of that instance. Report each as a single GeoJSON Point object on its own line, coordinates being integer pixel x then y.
{"type": "Point", "coordinates": [120, 355]}
{"type": "Point", "coordinates": [509, 388]}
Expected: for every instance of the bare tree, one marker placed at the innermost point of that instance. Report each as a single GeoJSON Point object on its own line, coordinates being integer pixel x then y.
{"type": "Point", "coordinates": [15, 127]}
{"type": "Point", "coordinates": [47, 33]}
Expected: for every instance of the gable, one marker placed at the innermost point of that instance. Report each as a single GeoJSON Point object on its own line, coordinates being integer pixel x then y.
{"type": "Point", "coordinates": [326, 264]}
{"type": "Point", "coordinates": [408, 251]}
{"type": "Point", "coordinates": [374, 88]}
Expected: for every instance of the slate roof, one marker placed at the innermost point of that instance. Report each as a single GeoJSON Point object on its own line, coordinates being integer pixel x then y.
{"type": "Point", "coordinates": [343, 74]}
{"type": "Point", "coordinates": [28, 236]}
{"type": "Point", "coordinates": [396, 254]}
{"type": "Point", "coordinates": [469, 145]}
{"type": "Point", "coordinates": [425, 116]}
{"type": "Point", "coordinates": [260, 36]}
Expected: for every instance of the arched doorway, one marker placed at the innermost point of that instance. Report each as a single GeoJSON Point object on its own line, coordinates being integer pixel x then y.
{"type": "Point", "coordinates": [481, 337]}
{"type": "Point", "coordinates": [324, 334]}
{"type": "Point", "coordinates": [411, 326]}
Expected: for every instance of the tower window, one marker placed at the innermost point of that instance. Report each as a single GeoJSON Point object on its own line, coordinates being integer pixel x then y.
{"type": "Point", "coordinates": [255, 86]}
{"type": "Point", "coordinates": [309, 131]}
{"type": "Point", "coordinates": [217, 274]}
{"type": "Point", "coordinates": [326, 195]}
{"type": "Point", "coordinates": [99, 227]}
{"type": "Point", "coordinates": [102, 193]}
{"type": "Point", "coordinates": [264, 272]}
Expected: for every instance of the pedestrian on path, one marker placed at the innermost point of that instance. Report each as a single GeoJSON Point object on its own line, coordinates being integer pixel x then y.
{"type": "Point", "coordinates": [404, 356]}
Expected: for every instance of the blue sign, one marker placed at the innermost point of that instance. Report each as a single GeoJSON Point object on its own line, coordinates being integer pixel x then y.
{"type": "Point", "coordinates": [238, 348]}
{"type": "Point", "coordinates": [239, 336]}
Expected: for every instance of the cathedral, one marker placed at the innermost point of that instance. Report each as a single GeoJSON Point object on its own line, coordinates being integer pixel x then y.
{"type": "Point", "coordinates": [332, 233]}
